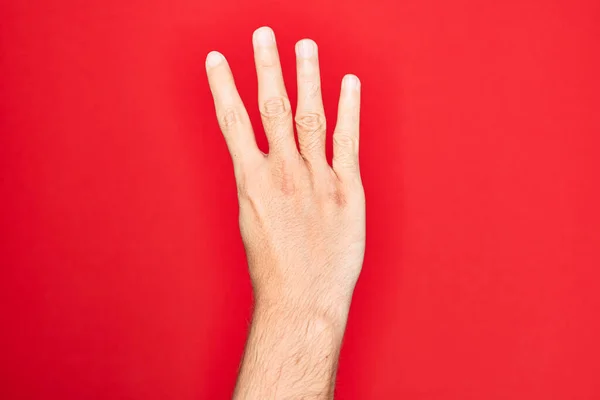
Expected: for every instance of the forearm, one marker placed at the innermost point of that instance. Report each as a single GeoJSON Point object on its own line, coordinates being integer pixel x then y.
{"type": "Point", "coordinates": [292, 353]}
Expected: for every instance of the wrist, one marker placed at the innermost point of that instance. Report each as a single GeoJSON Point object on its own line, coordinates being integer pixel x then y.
{"type": "Point", "coordinates": [313, 317]}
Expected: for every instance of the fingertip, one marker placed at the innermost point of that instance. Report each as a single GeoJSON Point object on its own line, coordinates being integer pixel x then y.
{"type": "Point", "coordinates": [213, 59]}
{"type": "Point", "coordinates": [351, 82]}
{"type": "Point", "coordinates": [263, 36]}
{"type": "Point", "coordinates": [306, 48]}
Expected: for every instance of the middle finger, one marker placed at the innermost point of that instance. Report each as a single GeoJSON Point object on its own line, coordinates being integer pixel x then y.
{"type": "Point", "coordinates": [275, 109]}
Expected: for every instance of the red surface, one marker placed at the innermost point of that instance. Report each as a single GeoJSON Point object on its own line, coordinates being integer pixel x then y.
{"type": "Point", "coordinates": [123, 275]}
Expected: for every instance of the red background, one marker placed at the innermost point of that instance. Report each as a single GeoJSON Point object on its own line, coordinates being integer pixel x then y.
{"type": "Point", "coordinates": [123, 274]}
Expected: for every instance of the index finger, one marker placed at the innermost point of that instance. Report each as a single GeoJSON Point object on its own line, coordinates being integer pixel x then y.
{"type": "Point", "coordinates": [231, 113]}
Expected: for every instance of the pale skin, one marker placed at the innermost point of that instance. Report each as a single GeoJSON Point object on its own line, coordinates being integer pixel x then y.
{"type": "Point", "coordinates": [302, 221]}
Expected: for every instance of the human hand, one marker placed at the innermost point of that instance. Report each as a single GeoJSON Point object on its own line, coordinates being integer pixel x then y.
{"type": "Point", "coordinates": [302, 221]}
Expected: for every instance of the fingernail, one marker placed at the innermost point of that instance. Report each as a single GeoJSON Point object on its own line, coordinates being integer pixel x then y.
{"type": "Point", "coordinates": [264, 36]}
{"type": "Point", "coordinates": [213, 59]}
{"type": "Point", "coordinates": [351, 82]}
{"type": "Point", "coordinates": [305, 48]}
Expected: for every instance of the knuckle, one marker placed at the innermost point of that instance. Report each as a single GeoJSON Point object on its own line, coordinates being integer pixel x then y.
{"type": "Point", "coordinates": [275, 107]}
{"type": "Point", "coordinates": [345, 140]}
{"type": "Point", "coordinates": [310, 122]}
{"type": "Point", "coordinates": [313, 90]}
{"type": "Point", "coordinates": [346, 157]}
{"type": "Point", "coordinates": [229, 118]}
{"type": "Point", "coordinates": [268, 61]}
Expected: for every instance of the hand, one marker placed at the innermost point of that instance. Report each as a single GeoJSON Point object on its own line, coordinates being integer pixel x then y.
{"type": "Point", "coordinates": [302, 221]}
